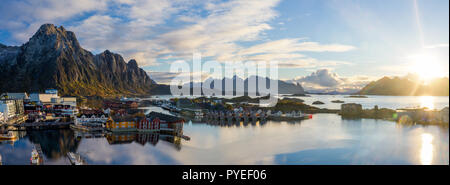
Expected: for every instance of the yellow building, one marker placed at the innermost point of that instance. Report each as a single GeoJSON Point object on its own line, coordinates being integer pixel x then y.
{"type": "Point", "coordinates": [122, 124]}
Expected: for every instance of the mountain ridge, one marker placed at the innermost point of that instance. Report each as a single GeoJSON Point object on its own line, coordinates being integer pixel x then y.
{"type": "Point", "coordinates": [403, 86]}
{"type": "Point", "coordinates": [283, 87]}
{"type": "Point", "coordinates": [53, 58]}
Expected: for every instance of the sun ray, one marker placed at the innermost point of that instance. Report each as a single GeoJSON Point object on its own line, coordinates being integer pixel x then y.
{"type": "Point", "coordinates": [419, 25]}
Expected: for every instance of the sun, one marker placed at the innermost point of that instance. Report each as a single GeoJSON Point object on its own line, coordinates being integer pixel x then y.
{"type": "Point", "coordinates": [426, 66]}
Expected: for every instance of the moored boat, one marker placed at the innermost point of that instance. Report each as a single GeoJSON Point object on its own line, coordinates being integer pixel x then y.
{"type": "Point", "coordinates": [75, 159]}
{"type": "Point", "coordinates": [9, 136]}
{"type": "Point", "coordinates": [35, 158]}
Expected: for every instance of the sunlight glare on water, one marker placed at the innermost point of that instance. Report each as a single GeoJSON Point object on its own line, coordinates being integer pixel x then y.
{"type": "Point", "coordinates": [426, 151]}
{"type": "Point", "coordinates": [427, 101]}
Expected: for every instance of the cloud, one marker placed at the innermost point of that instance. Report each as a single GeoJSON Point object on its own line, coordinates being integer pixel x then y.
{"type": "Point", "coordinates": [226, 23]}
{"type": "Point", "coordinates": [294, 45]}
{"type": "Point", "coordinates": [322, 77]}
{"type": "Point", "coordinates": [443, 45]}
{"type": "Point", "coordinates": [325, 79]}
{"type": "Point", "coordinates": [24, 17]}
{"type": "Point", "coordinates": [152, 31]}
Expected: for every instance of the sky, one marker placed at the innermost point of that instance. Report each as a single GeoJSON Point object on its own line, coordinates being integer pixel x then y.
{"type": "Point", "coordinates": [319, 43]}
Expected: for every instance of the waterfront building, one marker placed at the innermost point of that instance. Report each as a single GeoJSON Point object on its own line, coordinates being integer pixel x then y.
{"type": "Point", "coordinates": [42, 98]}
{"type": "Point", "coordinates": [169, 124]}
{"type": "Point", "coordinates": [152, 122]}
{"type": "Point", "coordinates": [12, 103]}
{"type": "Point", "coordinates": [8, 108]}
{"type": "Point", "coordinates": [72, 101]}
{"type": "Point", "coordinates": [133, 124]}
{"type": "Point", "coordinates": [2, 118]}
{"type": "Point", "coordinates": [21, 96]}
{"type": "Point", "coordinates": [122, 124]}
{"type": "Point", "coordinates": [19, 106]}
{"type": "Point", "coordinates": [148, 124]}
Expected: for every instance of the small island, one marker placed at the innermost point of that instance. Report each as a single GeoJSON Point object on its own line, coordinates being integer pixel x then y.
{"type": "Point", "coordinates": [337, 101]}
{"type": "Point", "coordinates": [356, 96]}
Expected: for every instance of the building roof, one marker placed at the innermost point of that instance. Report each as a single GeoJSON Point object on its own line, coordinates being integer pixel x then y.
{"type": "Point", "coordinates": [126, 118]}
{"type": "Point", "coordinates": [164, 117]}
{"type": "Point", "coordinates": [96, 115]}
{"type": "Point", "coordinates": [16, 95]}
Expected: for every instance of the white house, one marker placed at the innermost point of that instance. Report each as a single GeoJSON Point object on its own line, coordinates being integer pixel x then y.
{"type": "Point", "coordinates": [18, 96]}
{"type": "Point", "coordinates": [8, 108]}
{"type": "Point", "coordinates": [91, 118]}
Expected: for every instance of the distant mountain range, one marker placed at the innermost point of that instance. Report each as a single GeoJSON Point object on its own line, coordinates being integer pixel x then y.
{"type": "Point", "coordinates": [404, 86]}
{"type": "Point", "coordinates": [332, 92]}
{"type": "Point", "coordinates": [53, 58]}
{"type": "Point", "coordinates": [283, 87]}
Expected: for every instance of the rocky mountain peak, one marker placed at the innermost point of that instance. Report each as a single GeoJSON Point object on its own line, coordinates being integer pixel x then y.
{"type": "Point", "coordinates": [132, 64]}
{"type": "Point", "coordinates": [53, 58]}
{"type": "Point", "coordinates": [50, 36]}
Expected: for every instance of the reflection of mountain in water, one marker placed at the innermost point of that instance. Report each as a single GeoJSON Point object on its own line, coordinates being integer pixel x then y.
{"type": "Point", "coordinates": [55, 143]}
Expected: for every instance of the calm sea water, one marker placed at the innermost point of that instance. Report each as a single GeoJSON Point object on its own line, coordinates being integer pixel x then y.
{"type": "Point", "coordinates": [324, 139]}
{"type": "Point", "coordinates": [392, 102]}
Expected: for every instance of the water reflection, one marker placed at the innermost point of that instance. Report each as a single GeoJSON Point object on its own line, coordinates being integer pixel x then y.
{"type": "Point", "coordinates": [143, 138]}
{"type": "Point", "coordinates": [54, 143]}
{"type": "Point", "coordinates": [324, 139]}
{"type": "Point", "coordinates": [427, 101]}
{"type": "Point", "coordinates": [426, 152]}
{"type": "Point", "coordinates": [258, 123]}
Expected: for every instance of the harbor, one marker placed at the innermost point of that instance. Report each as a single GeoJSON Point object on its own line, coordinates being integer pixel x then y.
{"type": "Point", "coordinates": [174, 124]}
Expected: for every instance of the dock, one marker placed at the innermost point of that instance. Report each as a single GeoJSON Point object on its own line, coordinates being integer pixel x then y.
{"type": "Point", "coordinates": [87, 128]}
{"type": "Point", "coordinates": [43, 125]}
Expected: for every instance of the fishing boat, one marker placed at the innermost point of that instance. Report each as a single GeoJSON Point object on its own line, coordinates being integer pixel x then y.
{"type": "Point", "coordinates": [9, 136]}
{"type": "Point", "coordinates": [35, 157]}
{"type": "Point", "coordinates": [75, 159]}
